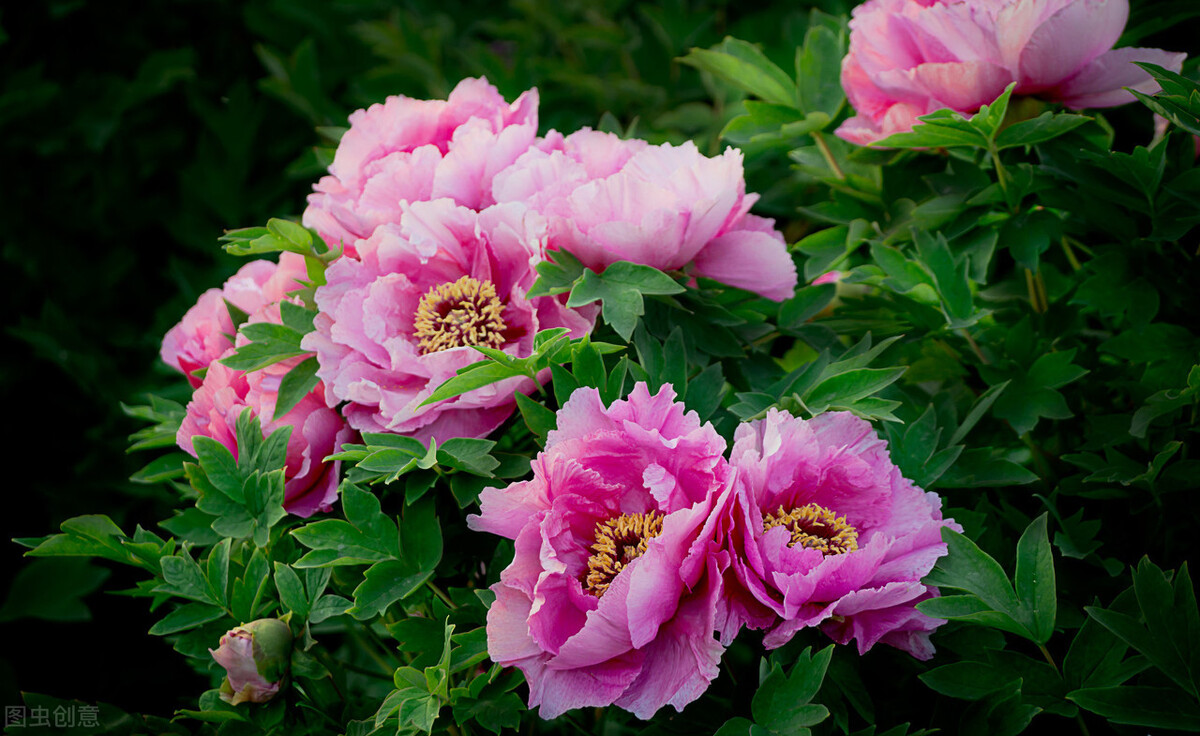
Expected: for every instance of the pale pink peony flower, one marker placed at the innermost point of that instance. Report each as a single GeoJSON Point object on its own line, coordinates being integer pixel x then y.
{"type": "Point", "coordinates": [408, 150]}
{"type": "Point", "coordinates": [911, 57]}
{"type": "Point", "coordinates": [310, 483]}
{"type": "Point", "coordinates": [398, 322]}
{"type": "Point", "coordinates": [256, 658]}
{"type": "Point", "coordinates": [828, 532]}
{"type": "Point", "coordinates": [206, 331]}
{"type": "Point", "coordinates": [613, 593]}
{"type": "Point", "coordinates": [664, 206]}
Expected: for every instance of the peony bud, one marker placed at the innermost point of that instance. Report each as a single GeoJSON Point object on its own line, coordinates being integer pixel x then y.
{"type": "Point", "coordinates": [255, 657]}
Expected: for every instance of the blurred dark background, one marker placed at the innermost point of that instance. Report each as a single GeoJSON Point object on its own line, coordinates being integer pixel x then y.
{"type": "Point", "coordinates": [133, 134]}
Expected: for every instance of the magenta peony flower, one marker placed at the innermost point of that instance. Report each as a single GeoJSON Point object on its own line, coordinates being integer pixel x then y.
{"type": "Point", "coordinates": [911, 57]}
{"type": "Point", "coordinates": [827, 531]}
{"type": "Point", "coordinates": [310, 483]}
{"type": "Point", "coordinates": [663, 206]}
{"type": "Point", "coordinates": [397, 323]}
{"type": "Point", "coordinates": [255, 657]}
{"type": "Point", "coordinates": [613, 594]}
{"type": "Point", "coordinates": [206, 331]}
{"type": "Point", "coordinates": [407, 150]}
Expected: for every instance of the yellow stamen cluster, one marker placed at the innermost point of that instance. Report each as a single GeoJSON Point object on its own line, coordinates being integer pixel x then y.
{"type": "Point", "coordinates": [815, 527]}
{"type": "Point", "coordinates": [457, 314]}
{"type": "Point", "coordinates": [619, 541]}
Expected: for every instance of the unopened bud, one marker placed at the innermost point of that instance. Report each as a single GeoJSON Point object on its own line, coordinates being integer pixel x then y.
{"type": "Point", "coordinates": [255, 657]}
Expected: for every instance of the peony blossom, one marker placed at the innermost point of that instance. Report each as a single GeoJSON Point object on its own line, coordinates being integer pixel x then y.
{"type": "Point", "coordinates": [207, 331]}
{"type": "Point", "coordinates": [828, 532]}
{"type": "Point", "coordinates": [256, 658]}
{"type": "Point", "coordinates": [407, 150]}
{"type": "Point", "coordinates": [911, 57]}
{"type": "Point", "coordinates": [614, 591]}
{"type": "Point", "coordinates": [310, 483]}
{"type": "Point", "coordinates": [663, 206]}
{"type": "Point", "coordinates": [398, 322]}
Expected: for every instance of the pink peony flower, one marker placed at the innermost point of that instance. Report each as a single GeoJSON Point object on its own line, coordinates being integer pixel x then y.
{"type": "Point", "coordinates": [310, 484]}
{"type": "Point", "coordinates": [206, 331]}
{"type": "Point", "coordinates": [828, 532]}
{"type": "Point", "coordinates": [911, 57]}
{"type": "Point", "coordinates": [397, 323]}
{"type": "Point", "coordinates": [256, 658]}
{"type": "Point", "coordinates": [407, 150]}
{"type": "Point", "coordinates": [613, 594]}
{"type": "Point", "coordinates": [663, 206]}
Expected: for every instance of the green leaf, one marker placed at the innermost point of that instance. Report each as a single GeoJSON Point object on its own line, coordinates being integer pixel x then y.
{"type": "Point", "coordinates": [743, 65]}
{"type": "Point", "coordinates": [291, 591]}
{"type": "Point", "coordinates": [978, 408]}
{"type": "Point", "coordinates": [1168, 633]}
{"type": "Point", "coordinates": [949, 278]}
{"type": "Point", "coordinates": [1152, 707]}
{"type": "Point", "coordinates": [818, 69]}
{"type": "Point", "coordinates": [182, 577]}
{"type": "Point", "coordinates": [970, 608]}
{"type": "Point", "coordinates": [941, 129]}
{"type": "Point", "coordinates": [1029, 235]}
{"type": "Point", "coordinates": [248, 589]}
{"type": "Point", "coordinates": [1044, 127]}
{"type": "Point", "coordinates": [187, 616]}
{"type": "Point", "coordinates": [53, 590]}
{"type": "Point", "coordinates": [383, 584]}
{"type": "Point", "coordinates": [966, 567]}
{"type": "Point", "coordinates": [538, 418]}
{"type": "Point", "coordinates": [967, 680]}
{"type": "Point", "coordinates": [217, 571]}
{"type": "Point", "coordinates": [557, 275]}
{"type": "Point", "coordinates": [1034, 580]}
{"type": "Point", "coordinates": [781, 703]}
{"type": "Point", "coordinates": [478, 376]}
{"type": "Point", "coordinates": [846, 388]}
{"type": "Point", "coordinates": [367, 536]}
{"type": "Point", "coordinates": [420, 551]}
{"type": "Point", "coordinates": [469, 455]}
{"type": "Point", "coordinates": [620, 290]}
{"type": "Point", "coordinates": [295, 385]}
{"type": "Point", "coordinates": [805, 305]}
{"type": "Point", "coordinates": [327, 607]}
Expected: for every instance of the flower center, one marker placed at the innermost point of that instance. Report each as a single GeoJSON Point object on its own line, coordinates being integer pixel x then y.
{"type": "Point", "coordinates": [454, 315]}
{"type": "Point", "coordinates": [815, 527]}
{"type": "Point", "coordinates": [619, 541]}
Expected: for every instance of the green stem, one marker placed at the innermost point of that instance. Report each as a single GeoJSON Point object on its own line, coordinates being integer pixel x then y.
{"type": "Point", "coordinates": [828, 155]}
{"type": "Point", "coordinates": [1078, 717]}
{"type": "Point", "coordinates": [440, 594]}
{"type": "Point", "coordinates": [372, 652]}
{"type": "Point", "coordinates": [974, 346]}
{"type": "Point", "coordinates": [1066, 246]}
{"type": "Point", "coordinates": [1046, 473]}
{"type": "Point", "coordinates": [1046, 653]}
{"type": "Point", "coordinates": [1034, 297]}
{"type": "Point", "coordinates": [1001, 173]}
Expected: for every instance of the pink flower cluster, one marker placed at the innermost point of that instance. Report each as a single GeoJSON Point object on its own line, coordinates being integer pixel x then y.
{"type": "Point", "coordinates": [205, 335]}
{"type": "Point", "coordinates": [444, 209]}
{"type": "Point", "coordinates": [640, 551]}
{"type": "Point", "coordinates": [911, 57]}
